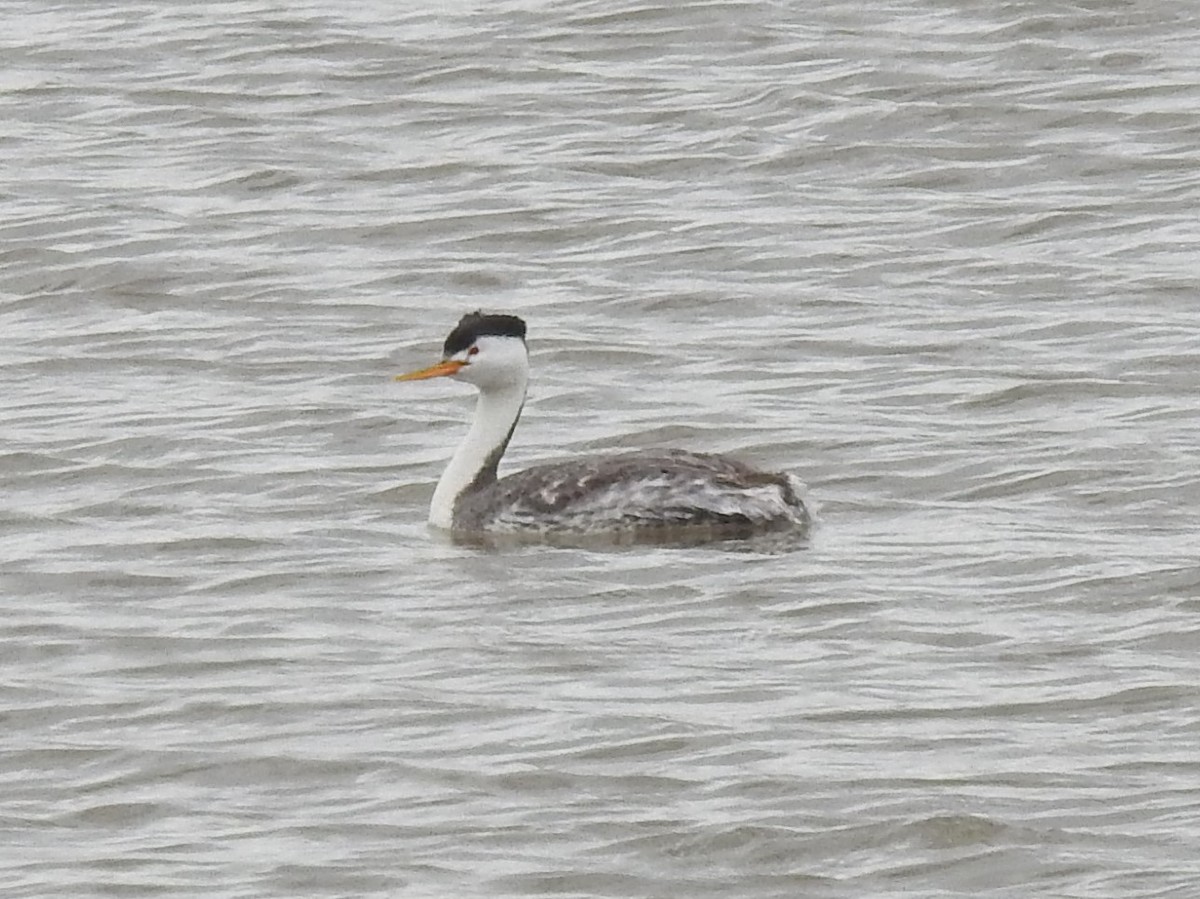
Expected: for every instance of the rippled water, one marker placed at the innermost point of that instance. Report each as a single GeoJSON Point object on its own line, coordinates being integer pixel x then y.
{"type": "Point", "coordinates": [939, 259]}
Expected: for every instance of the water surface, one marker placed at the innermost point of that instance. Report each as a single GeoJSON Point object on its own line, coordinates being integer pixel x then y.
{"type": "Point", "coordinates": [937, 259]}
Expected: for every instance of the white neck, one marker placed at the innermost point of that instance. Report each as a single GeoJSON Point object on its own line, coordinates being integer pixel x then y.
{"type": "Point", "coordinates": [474, 462]}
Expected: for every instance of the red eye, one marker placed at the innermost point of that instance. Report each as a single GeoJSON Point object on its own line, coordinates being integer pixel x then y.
{"type": "Point", "coordinates": [472, 351]}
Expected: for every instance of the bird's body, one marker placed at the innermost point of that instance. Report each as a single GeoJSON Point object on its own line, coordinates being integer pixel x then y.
{"type": "Point", "coordinates": [648, 491]}
{"type": "Point", "coordinates": [650, 494]}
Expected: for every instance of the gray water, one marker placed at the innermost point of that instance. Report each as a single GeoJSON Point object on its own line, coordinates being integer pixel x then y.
{"type": "Point", "coordinates": [938, 259]}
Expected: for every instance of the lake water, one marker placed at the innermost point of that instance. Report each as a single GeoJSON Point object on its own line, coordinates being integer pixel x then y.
{"type": "Point", "coordinates": [938, 259]}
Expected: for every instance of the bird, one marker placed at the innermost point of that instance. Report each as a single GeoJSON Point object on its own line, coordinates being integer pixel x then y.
{"type": "Point", "coordinates": [644, 495]}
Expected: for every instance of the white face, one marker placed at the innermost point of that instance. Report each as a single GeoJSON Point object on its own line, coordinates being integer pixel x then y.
{"type": "Point", "coordinates": [493, 362]}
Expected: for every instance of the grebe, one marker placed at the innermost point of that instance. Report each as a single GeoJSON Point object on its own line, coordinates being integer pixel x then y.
{"type": "Point", "coordinates": [647, 494]}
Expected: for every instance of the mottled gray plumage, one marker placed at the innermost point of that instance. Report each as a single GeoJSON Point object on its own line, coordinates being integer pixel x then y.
{"type": "Point", "coordinates": [641, 492]}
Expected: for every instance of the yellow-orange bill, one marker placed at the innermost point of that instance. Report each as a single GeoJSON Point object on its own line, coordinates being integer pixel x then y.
{"type": "Point", "coordinates": [440, 370]}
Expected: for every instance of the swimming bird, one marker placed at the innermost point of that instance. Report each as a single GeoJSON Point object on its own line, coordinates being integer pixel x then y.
{"type": "Point", "coordinates": [641, 495]}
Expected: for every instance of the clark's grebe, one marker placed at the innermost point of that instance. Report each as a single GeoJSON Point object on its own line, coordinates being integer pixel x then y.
{"type": "Point", "coordinates": [647, 494]}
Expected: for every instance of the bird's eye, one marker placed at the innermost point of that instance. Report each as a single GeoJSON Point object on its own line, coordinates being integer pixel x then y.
{"type": "Point", "coordinates": [473, 351]}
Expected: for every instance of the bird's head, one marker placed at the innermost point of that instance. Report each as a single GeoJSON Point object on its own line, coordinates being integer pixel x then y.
{"type": "Point", "coordinates": [487, 350]}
